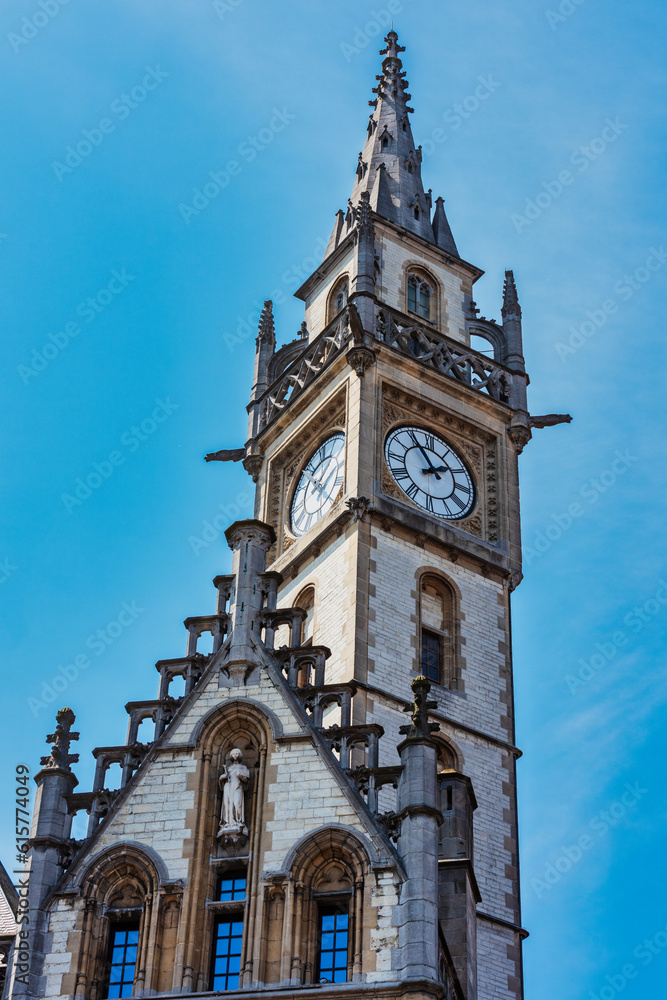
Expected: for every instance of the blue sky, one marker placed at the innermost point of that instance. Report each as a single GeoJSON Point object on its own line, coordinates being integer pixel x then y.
{"type": "Point", "coordinates": [165, 347]}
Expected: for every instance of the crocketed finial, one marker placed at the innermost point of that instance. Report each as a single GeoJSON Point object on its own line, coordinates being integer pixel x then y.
{"type": "Point", "coordinates": [60, 756]}
{"type": "Point", "coordinates": [510, 297]}
{"type": "Point", "coordinates": [266, 333]}
{"type": "Point", "coordinates": [420, 727]}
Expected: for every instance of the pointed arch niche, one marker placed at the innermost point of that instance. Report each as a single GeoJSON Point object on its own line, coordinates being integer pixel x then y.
{"type": "Point", "coordinates": [325, 878]}
{"type": "Point", "coordinates": [127, 896]}
{"type": "Point", "coordinates": [224, 871]}
{"type": "Point", "coordinates": [338, 297]}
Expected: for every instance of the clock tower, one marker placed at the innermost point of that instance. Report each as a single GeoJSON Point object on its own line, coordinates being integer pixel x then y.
{"type": "Point", "coordinates": [384, 449]}
{"type": "Point", "coordinates": [279, 823]}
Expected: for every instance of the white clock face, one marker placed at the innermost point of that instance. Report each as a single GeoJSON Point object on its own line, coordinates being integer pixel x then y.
{"type": "Point", "coordinates": [430, 472]}
{"type": "Point", "coordinates": [318, 484]}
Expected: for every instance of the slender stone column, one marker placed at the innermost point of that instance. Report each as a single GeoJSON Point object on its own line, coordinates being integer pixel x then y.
{"type": "Point", "coordinates": [250, 541]}
{"type": "Point", "coordinates": [419, 819]}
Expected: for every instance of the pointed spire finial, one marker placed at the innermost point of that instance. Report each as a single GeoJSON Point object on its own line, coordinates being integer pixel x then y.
{"type": "Point", "coordinates": [60, 756]}
{"type": "Point", "coordinates": [511, 305]}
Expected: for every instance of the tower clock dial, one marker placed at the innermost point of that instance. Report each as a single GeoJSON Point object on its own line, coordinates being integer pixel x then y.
{"type": "Point", "coordinates": [430, 472]}
{"type": "Point", "coordinates": [318, 484]}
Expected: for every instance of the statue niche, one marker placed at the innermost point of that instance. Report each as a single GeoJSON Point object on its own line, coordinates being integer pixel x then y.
{"type": "Point", "coordinates": [233, 780]}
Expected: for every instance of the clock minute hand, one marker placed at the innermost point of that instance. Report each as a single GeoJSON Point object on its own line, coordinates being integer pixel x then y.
{"type": "Point", "coordinates": [431, 467]}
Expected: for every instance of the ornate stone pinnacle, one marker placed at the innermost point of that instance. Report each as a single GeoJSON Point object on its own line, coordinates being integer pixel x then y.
{"type": "Point", "coordinates": [510, 298]}
{"type": "Point", "coordinates": [60, 756]}
{"type": "Point", "coordinates": [266, 333]}
{"type": "Point", "coordinates": [420, 727]}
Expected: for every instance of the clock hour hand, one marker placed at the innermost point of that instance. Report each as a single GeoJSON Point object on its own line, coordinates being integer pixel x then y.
{"type": "Point", "coordinates": [440, 468]}
{"type": "Point", "coordinates": [431, 467]}
{"type": "Point", "coordinates": [313, 481]}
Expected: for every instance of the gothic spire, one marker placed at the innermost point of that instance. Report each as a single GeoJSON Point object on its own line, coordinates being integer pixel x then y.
{"type": "Point", "coordinates": [389, 166]}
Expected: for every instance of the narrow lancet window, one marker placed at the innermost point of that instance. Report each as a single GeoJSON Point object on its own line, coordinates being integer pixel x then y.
{"type": "Point", "coordinates": [124, 942]}
{"type": "Point", "coordinates": [334, 934]}
{"type": "Point", "coordinates": [227, 954]}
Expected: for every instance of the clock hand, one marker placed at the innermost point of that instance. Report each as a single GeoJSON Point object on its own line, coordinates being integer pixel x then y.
{"type": "Point", "coordinates": [325, 482]}
{"type": "Point", "coordinates": [312, 481]}
{"type": "Point", "coordinates": [429, 463]}
{"type": "Point", "coordinates": [440, 468]}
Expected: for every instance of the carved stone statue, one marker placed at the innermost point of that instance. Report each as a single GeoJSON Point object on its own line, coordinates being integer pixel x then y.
{"type": "Point", "coordinates": [233, 779]}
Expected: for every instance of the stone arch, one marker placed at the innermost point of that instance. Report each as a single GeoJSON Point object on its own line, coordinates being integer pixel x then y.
{"type": "Point", "coordinates": [306, 600]}
{"type": "Point", "coordinates": [209, 724]}
{"type": "Point", "coordinates": [335, 833]}
{"type": "Point", "coordinates": [119, 889]}
{"type": "Point", "coordinates": [449, 756]}
{"type": "Point", "coordinates": [325, 872]}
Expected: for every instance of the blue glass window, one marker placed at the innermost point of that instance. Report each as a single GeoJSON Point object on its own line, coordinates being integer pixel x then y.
{"type": "Point", "coordinates": [227, 954]}
{"type": "Point", "coordinates": [334, 933]}
{"type": "Point", "coordinates": [232, 886]}
{"type": "Point", "coordinates": [431, 649]}
{"type": "Point", "coordinates": [124, 942]}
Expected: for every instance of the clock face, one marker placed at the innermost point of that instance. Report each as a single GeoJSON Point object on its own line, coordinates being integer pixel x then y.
{"type": "Point", "coordinates": [318, 484]}
{"type": "Point", "coordinates": [430, 472]}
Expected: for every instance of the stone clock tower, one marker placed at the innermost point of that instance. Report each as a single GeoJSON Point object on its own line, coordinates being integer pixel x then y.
{"type": "Point", "coordinates": [284, 824]}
